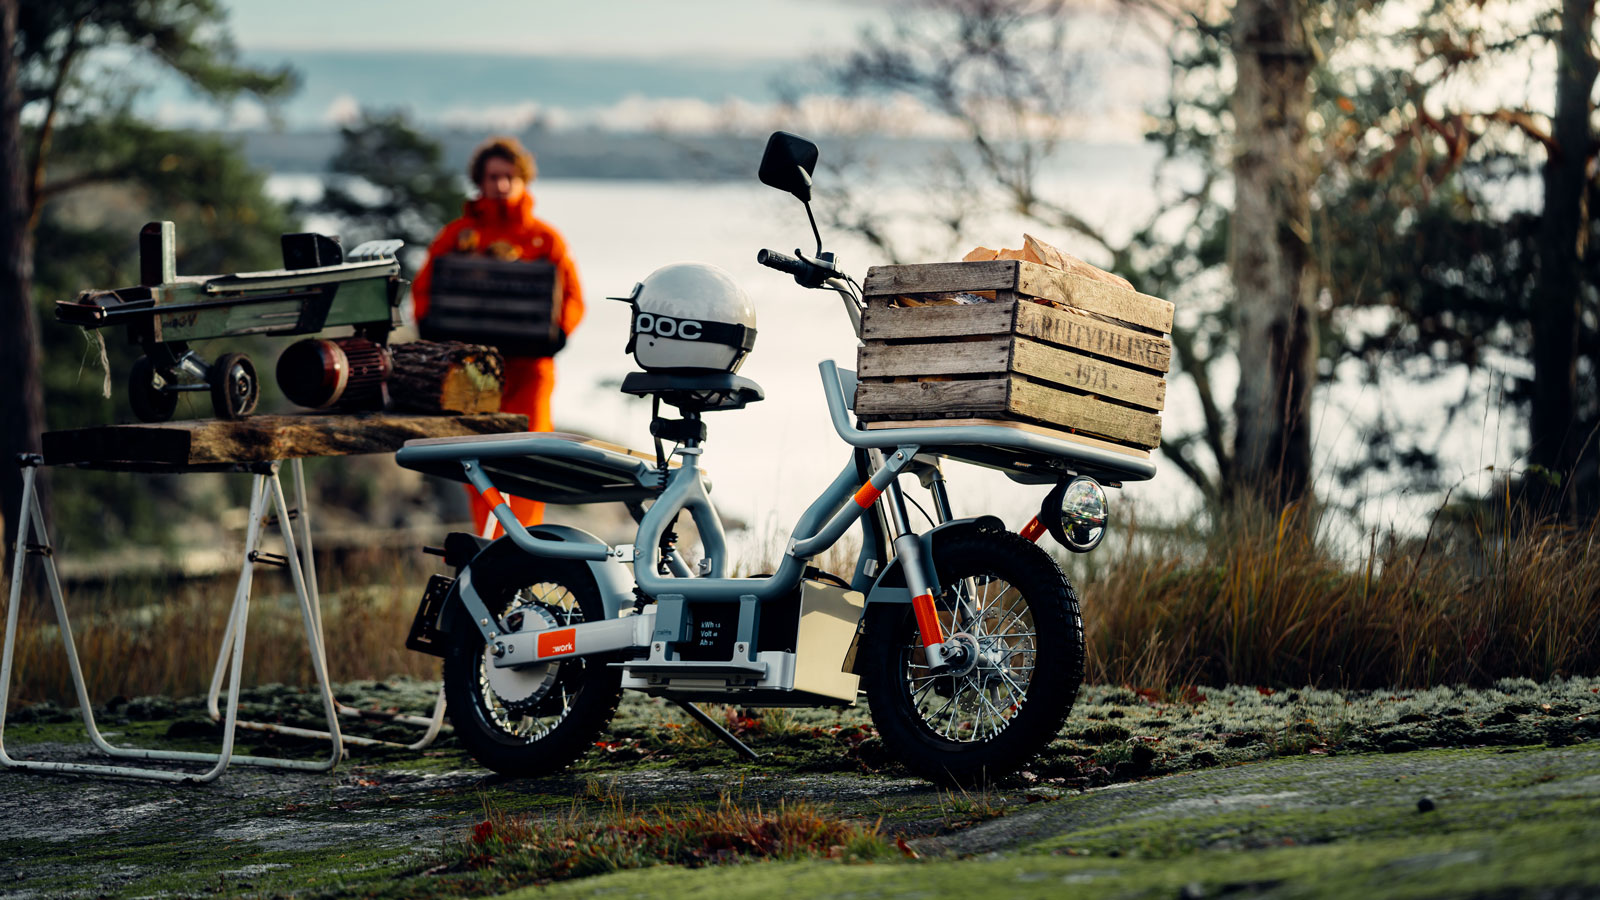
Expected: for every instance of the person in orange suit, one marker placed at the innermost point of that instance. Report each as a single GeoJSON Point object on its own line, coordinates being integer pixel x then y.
{"type": "Point", "coordinates": [500, 223]}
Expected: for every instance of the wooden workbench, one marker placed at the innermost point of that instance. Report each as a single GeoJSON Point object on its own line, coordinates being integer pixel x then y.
{"type": "Point", "coordinates": [203, 445]}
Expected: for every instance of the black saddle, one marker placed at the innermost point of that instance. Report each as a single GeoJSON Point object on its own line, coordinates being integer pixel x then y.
{"type": "Point", "coordinates": [695, 392]}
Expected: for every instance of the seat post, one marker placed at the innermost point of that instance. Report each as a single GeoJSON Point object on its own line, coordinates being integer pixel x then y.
{"type": "Point", "coordinates": [688, 432]}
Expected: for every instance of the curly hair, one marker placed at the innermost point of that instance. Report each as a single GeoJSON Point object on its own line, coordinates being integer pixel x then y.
{"type": "Point", "coordinates": [502, 147]}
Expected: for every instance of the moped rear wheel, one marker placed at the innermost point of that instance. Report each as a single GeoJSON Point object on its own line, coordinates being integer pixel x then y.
{"type": "Point", "coordinates": [991, 717]}
{"type": "Point", "coordinates": [533, 721]}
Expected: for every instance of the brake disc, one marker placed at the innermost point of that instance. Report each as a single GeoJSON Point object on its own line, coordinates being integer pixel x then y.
{"type": "Point", "coordinates": [521, 688]}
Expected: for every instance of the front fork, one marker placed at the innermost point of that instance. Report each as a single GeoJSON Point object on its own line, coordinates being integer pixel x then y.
{"type": "Point", "coordinates": [908, 549]}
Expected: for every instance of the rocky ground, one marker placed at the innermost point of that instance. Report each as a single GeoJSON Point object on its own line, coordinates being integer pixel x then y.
{"type": "Point", "coordinates": [1238, 791]}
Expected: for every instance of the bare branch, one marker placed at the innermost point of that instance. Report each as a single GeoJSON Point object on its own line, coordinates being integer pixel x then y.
{"type": "Point", "coordinates": [83, 179]}
{"type": "Point", "coordinates": [47, 127]}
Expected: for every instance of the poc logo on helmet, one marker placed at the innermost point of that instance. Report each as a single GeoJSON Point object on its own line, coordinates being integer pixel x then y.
{"type": "Point", "coordinates": [668, 327]}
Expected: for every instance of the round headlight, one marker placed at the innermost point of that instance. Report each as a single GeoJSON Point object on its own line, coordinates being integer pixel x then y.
{"type": "Point", "coordinates": [1076, 512]}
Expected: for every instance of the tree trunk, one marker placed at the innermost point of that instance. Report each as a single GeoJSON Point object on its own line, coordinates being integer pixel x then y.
{"type": "Point", "coordinates": [1269, 250]}
{"type": "Point", "coordinates": [1554, 444]}
{"type": "Point", "coordinates": [21, 393]}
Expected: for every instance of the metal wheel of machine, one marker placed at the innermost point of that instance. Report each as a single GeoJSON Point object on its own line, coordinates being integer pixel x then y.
{"type": "Point", "coordinates": [536, 720]}
{"type": "Point", "coordinates": [150, 403]}
{"type": "Point", "coordinates": [1009, 602]}
{"type": "Point", "coordinates": [234, 387]}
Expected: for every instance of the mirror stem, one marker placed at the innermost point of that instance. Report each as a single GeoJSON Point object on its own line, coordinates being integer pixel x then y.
{"type": "Point", "coordinates": [814, 232]}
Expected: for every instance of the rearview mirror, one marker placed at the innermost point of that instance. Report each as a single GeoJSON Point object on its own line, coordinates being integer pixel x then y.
{"type": "Point", "coordinates": [788, 163]}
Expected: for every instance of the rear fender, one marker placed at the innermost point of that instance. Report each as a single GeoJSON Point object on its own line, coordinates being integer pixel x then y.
{"type": "Point", "coordinates": [890, 586]}
{"type": "Point", "coordinates": [613, 579]}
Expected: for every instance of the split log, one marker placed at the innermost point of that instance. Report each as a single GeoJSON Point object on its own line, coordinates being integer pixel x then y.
{"type": "Point", "coordinates": [446, 377]}
{"type": "Point", "coordinates": [1037, 251]}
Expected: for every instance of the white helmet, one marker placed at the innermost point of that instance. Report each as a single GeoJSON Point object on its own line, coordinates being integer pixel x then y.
{"type": "Point", "coordinates": [691, 317]}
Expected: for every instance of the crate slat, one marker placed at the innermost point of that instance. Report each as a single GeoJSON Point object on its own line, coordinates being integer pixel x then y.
{"type": "Point", "coordinates": [1028, 278]}
{"type": "Point", "coordinates": [882, 321]}
{"type": "Point", "coordinates": [1066, 329]}
{"type": "Point", "coordinates": [1015, 396]}
{"type": "Point", "coordinates": [1093, 296]}
{"type": "Point", "coordinates": [1085, 373]}
{"type": "Point", "coordinates": [994, 275]}
{"type": "Point", "coordinates": [931, 398]}
{"type": "Point", "coordinates": [1132, 426]}
{"type": "Point", "coordinates": [882, 360]}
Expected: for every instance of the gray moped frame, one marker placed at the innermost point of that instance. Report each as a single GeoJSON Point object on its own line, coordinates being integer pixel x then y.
{"type": "Point", "coordinates": [909, 576]}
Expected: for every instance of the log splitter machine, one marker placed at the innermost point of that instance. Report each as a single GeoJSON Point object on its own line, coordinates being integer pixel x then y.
{"type": "Point", "coordinates": [318, 287]}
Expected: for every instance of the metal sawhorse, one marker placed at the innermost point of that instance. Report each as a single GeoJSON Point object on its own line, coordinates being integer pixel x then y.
{"type": "Point", "coordinates": [267, 503]}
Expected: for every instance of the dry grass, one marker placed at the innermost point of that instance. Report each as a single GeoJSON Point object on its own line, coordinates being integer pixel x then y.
{"type": "Point", "coordinates": [615, 835]}
{"type": "Point", "coordinates": [161, 638]}
{"type": "Point", "coordinates": [1259, 599]}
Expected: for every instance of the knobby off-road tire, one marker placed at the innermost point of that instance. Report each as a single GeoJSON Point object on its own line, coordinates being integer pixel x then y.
{"type": "Point", "coordinates": [971, 729]}
{"type": "Point", "coordinates": [524, 740]}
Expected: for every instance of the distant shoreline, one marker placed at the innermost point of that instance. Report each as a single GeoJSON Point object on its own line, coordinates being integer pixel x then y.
{"type": "Point", "coordinates": [650, 156]}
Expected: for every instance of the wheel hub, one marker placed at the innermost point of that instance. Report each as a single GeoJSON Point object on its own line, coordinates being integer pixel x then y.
{"type": "Point", "coordinates": [970, 656]}
{"type": "Point", "coordinates": [521, 688]}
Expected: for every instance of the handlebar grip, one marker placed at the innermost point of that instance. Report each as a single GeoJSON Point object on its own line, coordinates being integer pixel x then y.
{"type": "Point", "coordinates": [783, 262]}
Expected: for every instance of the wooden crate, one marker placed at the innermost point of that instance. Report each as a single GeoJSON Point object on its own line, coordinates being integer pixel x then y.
{"type": "Point", "coordinates": [512, 305]}
{"type": "Point", "coordinates": [1090, 359]}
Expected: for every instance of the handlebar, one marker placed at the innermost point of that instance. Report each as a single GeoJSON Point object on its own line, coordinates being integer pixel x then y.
{"type": "Point", "coordinates": [824, 274]}
{"type": "Point", "coordinates": [806, 273]}
{"type": "Point", "coordinates": [783, 262]}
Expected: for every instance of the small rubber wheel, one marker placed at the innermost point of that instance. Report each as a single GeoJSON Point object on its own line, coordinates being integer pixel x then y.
{"type": "Point", "coordinates": [150, 403]}
{"type": "Point", "coordinates": [234, 388]}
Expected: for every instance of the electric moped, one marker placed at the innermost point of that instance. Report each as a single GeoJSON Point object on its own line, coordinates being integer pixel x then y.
{"type": "Point", "coordinates": [966, 638]}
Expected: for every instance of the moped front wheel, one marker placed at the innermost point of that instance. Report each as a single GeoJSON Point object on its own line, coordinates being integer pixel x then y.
{"type": "Point", "coordinates": [988, 718]}
{"type": "Point", "coordinates": [536, 720]}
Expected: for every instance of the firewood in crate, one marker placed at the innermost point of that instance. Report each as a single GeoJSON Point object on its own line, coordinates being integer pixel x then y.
{"type": "Point", "coordinates": [446, 376]}
{"type": "Point", "coordinates": [1037, 251]}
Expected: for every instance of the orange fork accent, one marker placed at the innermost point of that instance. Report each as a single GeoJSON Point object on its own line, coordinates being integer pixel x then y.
{"type": "Point", "coordinates": [867, 495]}
{"type": "Point", "coordinates": [927, 620]}
{"type": "Point", "coordinates": [1033, 530]}
{"type": "Point", "coordinates": [492, 497]}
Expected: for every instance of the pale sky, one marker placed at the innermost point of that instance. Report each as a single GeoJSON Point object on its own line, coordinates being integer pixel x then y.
{"type": "Point", "coordinates": [722, 28]}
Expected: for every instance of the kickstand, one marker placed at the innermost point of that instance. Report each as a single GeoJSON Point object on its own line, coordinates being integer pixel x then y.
{"type": "Point", "coordinates": [716, 728]}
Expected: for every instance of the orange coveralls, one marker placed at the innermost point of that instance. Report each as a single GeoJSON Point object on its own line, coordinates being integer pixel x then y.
{"type": "Point", "coordinates": [507, 229]}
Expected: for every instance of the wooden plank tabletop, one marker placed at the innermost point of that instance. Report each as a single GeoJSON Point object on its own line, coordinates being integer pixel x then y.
{"type": "Point", "coordinates": [217, 445]}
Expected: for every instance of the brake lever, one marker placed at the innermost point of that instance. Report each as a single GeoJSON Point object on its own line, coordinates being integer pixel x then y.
{"type": "Point", "coordinates": [825, 261]}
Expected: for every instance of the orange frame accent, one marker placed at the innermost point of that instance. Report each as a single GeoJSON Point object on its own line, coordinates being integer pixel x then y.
{"type": "Point", "coordinates": [867, 495]}
{"type": "Point", "coordinates": [1033, 530]}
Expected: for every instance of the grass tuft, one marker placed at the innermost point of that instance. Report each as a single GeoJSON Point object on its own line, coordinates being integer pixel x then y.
{"type": "Point", "coordinates": [584, 842]}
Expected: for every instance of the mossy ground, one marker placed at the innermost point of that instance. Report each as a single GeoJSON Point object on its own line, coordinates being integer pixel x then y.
{"type": "Point", "coordinates": [1317, 813]}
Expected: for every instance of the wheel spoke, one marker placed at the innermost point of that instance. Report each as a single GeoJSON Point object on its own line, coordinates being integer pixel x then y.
{"type": "Point", "coordinates": [981, 704]}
